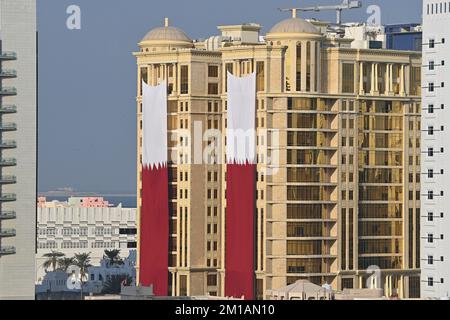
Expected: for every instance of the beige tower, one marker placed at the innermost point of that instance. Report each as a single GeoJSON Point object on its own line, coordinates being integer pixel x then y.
{"type": "Point", "coordinates": [338, 190]}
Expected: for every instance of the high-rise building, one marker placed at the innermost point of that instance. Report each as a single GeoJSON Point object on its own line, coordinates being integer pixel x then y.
{"type": "Point", "coordinates": [435, 221]}
{"type": "Point", "coordinates": [343, 196]}
{"type": "Point", "coordinates": [18, 142]}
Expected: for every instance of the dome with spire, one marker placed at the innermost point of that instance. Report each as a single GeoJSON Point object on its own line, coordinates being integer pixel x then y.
{"type": "Point", "coordinates": [294, 25]}
{"type": "Point", "coordinates": [166, 34]}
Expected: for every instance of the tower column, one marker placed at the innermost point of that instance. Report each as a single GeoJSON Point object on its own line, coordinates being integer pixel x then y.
{"type": "Point", "coordinates": [375, 76]}
{"type": "Point", "coordinates": [313, 66]}
{"type": "Point", "coordinates": [401, 288]}
{"type": "Point", "coordinates": [361, 78]}
{"type": "Point", "coordinates": [174, 70]}
{"type": "Point", "coordinates": [387, 79]}
{"type": "Point", "coordinates": [402, 80]}
{"type": "Point", "coordinates": [391, 79]}
{"type": "Point", "coordinates": [303, 64]}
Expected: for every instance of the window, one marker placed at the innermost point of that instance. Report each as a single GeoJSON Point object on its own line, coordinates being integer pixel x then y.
{"type": "Point", "coordinates": [430, 131]}
{"type": "Point", "coordinates": [430, 216]}
{"type": "Point", "coordinates": [430, 173]}
{"type": "Point", "coordinates": [430, 152]}
{"type": "Point", "coordinates": [184, 78]}
{"type": "Point", "coordinates": [213, 71]}
{"type": "Point", "coordinates": [131, 245]}
{"type": "Point", "coordinates": [260, 76]}
{"type": "Point", "coordinates": [431, 44]}
{"type": "Point", "coordinates": [430, 108]}
{"type": "Point", "coordinates": [430, 238]}
{"type": "Point", "coordinates": [431, 87]}
{"type": "Point", "coordinates": [129, 231]}
{"type": "Point", "coordinates": [431, 65]}
{"type": "Point", "coordinates": [430, 195]}
{"type": "Point", "coordinates": [213, 88]}
{"type": "Point", "coordinates": [212, 280]}
{"type": "Point", "coordinates": [348, 78]}
{"type": "Point", "coordinates": [430, 281]}
{"type": "Point", "coordinates": [430, 260]}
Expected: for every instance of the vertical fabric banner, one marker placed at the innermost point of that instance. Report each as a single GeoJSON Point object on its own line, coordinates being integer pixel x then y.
{"type": "Point", "coordinates": [241, 173]}
{"type": "Point", "coordinates": [154, 215]}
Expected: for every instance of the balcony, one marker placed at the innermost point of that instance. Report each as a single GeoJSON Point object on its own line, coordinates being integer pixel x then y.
{"type": "Point", "coordinates": [7, 233]}
{"type": "Point", "coordinates": [8, 91]}
{"type": "Point", "coordinates": [8, 55]}
{"type": "Point", "coordinates": [8, 109]}
{"type": "Point", "coordinates": [8, 144]}
{"type": "Point", "coordinates": [8, 179]}
{"type": "Point", "coordinates": [8, 73]}
{"type": "Point", "coordinates": [8, 127]}
{"type": "Point", "coordinates": [9, 162]}
{"type": "Point", "coordinates": [4, 251]}
{"type": "Point", "coordinates": [8, 197]}
{"type": "Point", "coordinates": [7, 215]}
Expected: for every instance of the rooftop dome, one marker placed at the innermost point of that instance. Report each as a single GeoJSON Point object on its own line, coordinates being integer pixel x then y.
{"type": "Point", "coordinates": [294, 25]}
{"type": "Point", "coordinates": [167, 33]}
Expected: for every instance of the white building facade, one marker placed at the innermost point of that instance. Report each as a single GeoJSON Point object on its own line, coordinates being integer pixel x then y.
{"type": "Point", "coordinates": [435, 199]}
{"type": "Point", "coordinates": [18, 148]}
{"type": "Point", "coordinates": [73, 229]}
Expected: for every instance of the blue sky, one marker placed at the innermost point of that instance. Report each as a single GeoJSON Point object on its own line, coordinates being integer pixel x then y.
{"type": "Point", "coordinates": [87, 77]}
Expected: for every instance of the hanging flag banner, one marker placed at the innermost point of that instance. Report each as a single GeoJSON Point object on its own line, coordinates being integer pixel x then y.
{"type": "Point", "coordinates": [154, 215]}
{"type": "Point", "coordinates": [241, 185]}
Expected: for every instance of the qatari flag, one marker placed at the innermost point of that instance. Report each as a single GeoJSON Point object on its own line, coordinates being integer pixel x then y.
{"type": "Point", "coordinates": [241, 171]}
{"type": "Point", "coordinates": [154, 215]}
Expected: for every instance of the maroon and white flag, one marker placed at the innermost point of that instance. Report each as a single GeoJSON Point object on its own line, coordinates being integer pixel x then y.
{"type": "Point", "coordinates": [154, 215]}
{"type": "Point", "coordinates": [241, 185]}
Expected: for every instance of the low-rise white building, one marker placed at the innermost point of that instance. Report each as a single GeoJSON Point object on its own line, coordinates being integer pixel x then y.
{"type": "Point", "coordinates": [365, 36]}
{"type": "Point", "coordinates": [61, 285]}
{"type": "Point", "coordinates": [100, 275]}
{"type": "Point", "coordinates": [77, 227]}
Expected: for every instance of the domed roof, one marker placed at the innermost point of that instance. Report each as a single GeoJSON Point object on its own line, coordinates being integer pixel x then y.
{"type": "Point", "coordinates": [167, 33]}
{"type": "Point", "coordinates": [294, 25]}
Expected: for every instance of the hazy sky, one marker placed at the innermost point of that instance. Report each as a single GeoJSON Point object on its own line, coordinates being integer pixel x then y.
{"type": "Point", "coordinates": [87, 77]}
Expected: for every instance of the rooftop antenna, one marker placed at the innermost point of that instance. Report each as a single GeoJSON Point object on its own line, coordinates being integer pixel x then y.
{"type": "Point", "coordinates": [345, 5]}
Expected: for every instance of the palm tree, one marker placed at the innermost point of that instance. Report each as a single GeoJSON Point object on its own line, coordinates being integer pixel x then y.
{"type": "Point", "coordinates": [83, 262]}
{"type": "Point", "coordinates": [113, 256]}
{"type": "Point", "coordinates": [52, 259]}
{"type": "Point", "coordinates": [65, 263]}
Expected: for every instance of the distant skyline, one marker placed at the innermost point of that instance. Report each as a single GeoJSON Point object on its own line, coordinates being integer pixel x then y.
{"type": "Point", "coordinates": [87, 77]}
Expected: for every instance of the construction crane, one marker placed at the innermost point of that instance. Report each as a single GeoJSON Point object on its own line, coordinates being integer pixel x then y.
{"type": "Point", "coordinates": [345, 5]}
